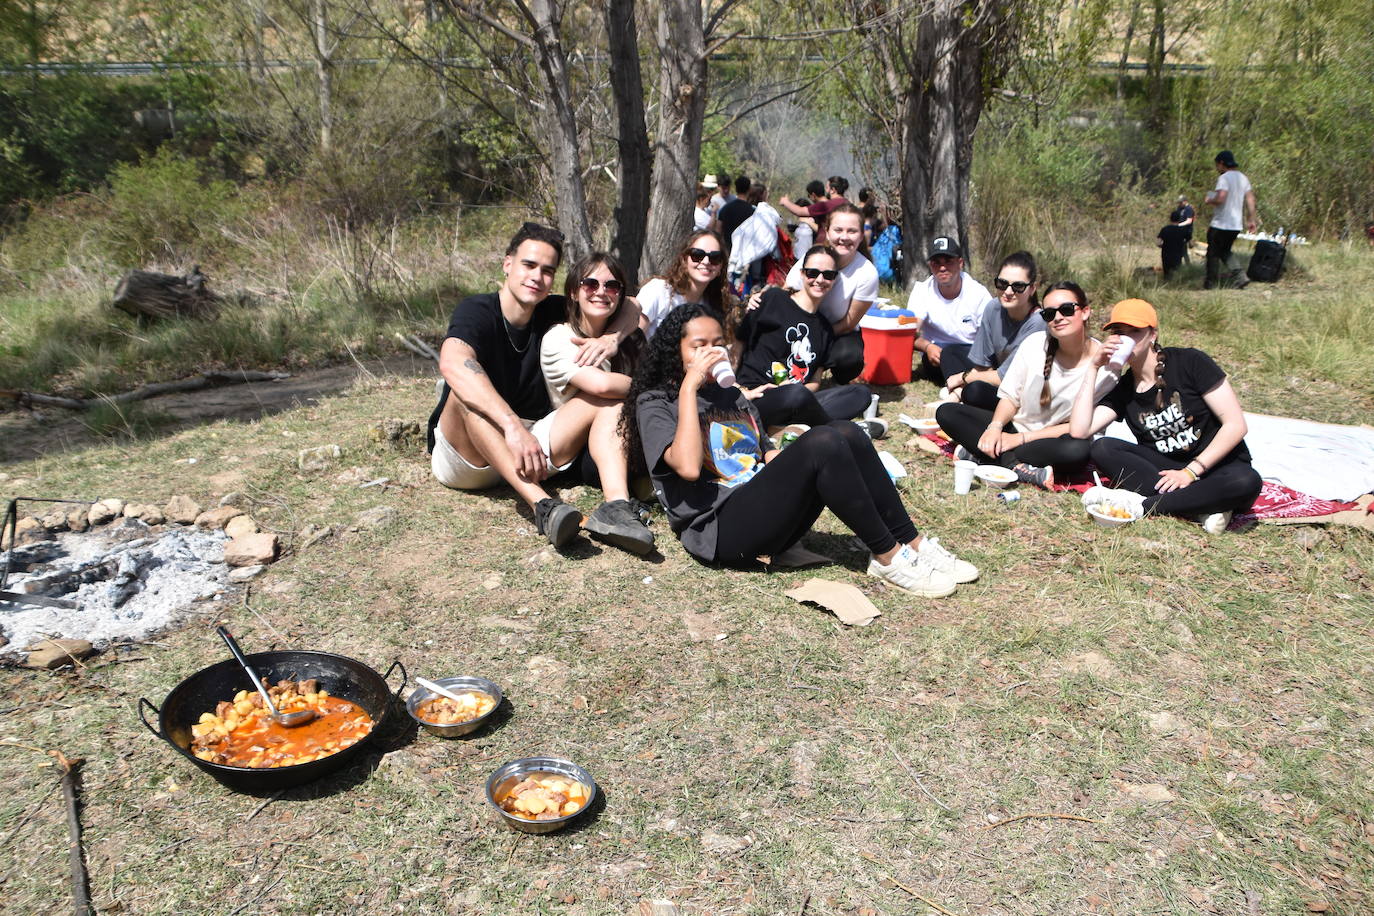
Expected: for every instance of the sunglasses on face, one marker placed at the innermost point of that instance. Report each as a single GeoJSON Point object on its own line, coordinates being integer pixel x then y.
{"type": "Point", "coordinates": [1067, 309]}
{"type": "Point", "coordinates": [701, 254]}
{"type": "Point", "coordinates": [592, 284]}
{"type": "Point", "coordinates": [812, 273]}
{"type": "Point", "coordinates": [1017, 286]}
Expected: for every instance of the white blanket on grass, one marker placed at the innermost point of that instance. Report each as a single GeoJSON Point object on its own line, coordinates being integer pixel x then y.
{"type": "Point", "coordinates": [1320, 459]}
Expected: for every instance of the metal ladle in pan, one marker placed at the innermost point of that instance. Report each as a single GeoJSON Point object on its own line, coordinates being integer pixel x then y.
{"type": "Point", "coordinates": [285, 720]}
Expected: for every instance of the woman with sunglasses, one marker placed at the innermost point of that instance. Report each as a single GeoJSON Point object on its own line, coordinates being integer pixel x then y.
{"type": "Point", "coordinates": [1028, 431]}
{"type": "Point", "coordinates": [595, 291]}
{"type": "Point", "coordinates": [697, 274]}
{"type": "Point", "coordinates": [785, 341]}
{"type": "Point", "coordinates": [731, 497]}
{"type": "Point", "coordinates": [1007, 321]}
{"type": "Point", "coordinates": [854, 289]}
{"type": "Point", "coordinates": [1189, 457]}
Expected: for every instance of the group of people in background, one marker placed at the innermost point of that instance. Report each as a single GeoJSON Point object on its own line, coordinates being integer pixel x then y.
{"type": "Point", "coordinates": [682, 381]}
{"type": "Point", "coordinates": [1234, 207]}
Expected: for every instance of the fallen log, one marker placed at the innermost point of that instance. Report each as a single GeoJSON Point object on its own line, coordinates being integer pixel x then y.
{"type": "Point", "coordinates": [214, 379]}
{"type": "Point", "coordinates": [145, 294]}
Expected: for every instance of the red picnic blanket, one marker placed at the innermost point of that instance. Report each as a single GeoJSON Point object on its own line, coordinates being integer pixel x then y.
{"type": "Point", "coordinates": [1275, 500]}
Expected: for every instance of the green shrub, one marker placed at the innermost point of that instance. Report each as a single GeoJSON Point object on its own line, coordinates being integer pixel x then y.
{"type": "Point", "coordinates": [165, 209]}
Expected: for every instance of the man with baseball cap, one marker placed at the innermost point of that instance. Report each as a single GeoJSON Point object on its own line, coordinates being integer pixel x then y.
{"type": "Point", "coordinates": [949, 305]}
{"type": "Point", "coordinates": [1232, 191]}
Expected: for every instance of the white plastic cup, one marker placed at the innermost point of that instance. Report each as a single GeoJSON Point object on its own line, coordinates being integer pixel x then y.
{"type": "Point", "coordinates": [722, 372]}
{"type": "Point", "coordinates": [963, 476]}
{"type": "Point", "coordinates": [872, 411]}
{"type": "Point", "coordinates": [1123, 353]}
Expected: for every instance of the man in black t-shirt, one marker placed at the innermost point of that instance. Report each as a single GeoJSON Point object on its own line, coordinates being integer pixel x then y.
{"type": "Point", "coordinates": [735, 212]}
{"type": "Point", "coordinates": [494, 421]}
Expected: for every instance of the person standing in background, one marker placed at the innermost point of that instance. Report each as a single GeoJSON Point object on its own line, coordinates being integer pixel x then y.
{"type": "Point", "coordinates": [701, 214]}
{"type": "Point", "coordinates": [722, 196]}
{"type": "Point", "coordinates": [1183, 215]}
{"type": "Point", "coordinates": [835, 186]}
{"type": "Point", "coordinates": [735, 211]}
{"type": "Point", "coordinates": [1232, 194]}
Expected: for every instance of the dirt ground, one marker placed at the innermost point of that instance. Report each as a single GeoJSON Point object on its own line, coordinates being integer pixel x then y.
{"type": "Point", "coordinates": [29, 434]}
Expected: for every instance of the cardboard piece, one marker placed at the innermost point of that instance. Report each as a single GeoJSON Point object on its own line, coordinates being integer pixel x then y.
{"type": "Point", "coordinates": [845, 601]}
{"type": "Point", "coordinates": [798, 557]}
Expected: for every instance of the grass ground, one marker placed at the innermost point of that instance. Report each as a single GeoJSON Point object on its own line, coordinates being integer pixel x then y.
{"type": "Point", "coordinates": [1202, 703]}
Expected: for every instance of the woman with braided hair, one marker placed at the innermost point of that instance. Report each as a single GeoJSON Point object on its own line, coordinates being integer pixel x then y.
{"type": "Point", "coordinates": [1028, 431]}
{"type": "Point", "coordinates": [1189, 457]}
{"type": "Point", "coordinates": [732, 497]}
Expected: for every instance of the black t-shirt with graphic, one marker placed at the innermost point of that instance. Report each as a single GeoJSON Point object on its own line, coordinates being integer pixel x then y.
{"type": "Point", "coordinates": [508, 355]}
{"type": "Point", "coordinates": [1185, 425]}
{"type": "Point", "coordinates": [780, 331]}
{"type": "Point", "coordinates": [733, 441]}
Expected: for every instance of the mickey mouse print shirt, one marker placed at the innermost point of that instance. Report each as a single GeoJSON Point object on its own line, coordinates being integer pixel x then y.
{"type": "Point", "coordinates": [780, 331]}
{"type": "Point", "coordinates": [1184, 425]}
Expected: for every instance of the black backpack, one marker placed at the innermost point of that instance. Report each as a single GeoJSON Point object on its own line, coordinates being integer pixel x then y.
{"type": "Point", "coordinates": [1266, 264]}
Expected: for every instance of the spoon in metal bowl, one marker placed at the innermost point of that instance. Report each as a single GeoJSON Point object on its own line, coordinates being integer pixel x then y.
{"type": "Point", "coordinates": [285, 720]}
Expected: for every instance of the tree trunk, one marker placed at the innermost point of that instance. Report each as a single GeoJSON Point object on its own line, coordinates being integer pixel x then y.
{"type": "Point", "coordinates": [1154, 67]}
{"type": "Point", "coordinates": [565, 161]}
{"type": "Point", "coordinates": [636, 163]}
{"type": "Point", "coordinates": [681, 43]}
{"type": "Point", "coordinates": [324, 69]}
{"type": "Point", "coordinates": [1126, 52]}
{"type": "Point", "coordinates": [955, 58]}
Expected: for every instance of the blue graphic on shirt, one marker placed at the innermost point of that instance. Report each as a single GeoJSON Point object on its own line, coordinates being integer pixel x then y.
{"type": "Point", "coordinates": [733, 450]}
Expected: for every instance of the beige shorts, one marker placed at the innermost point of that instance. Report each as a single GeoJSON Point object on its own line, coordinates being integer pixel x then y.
{"type": "Point", "coordinates": [453, 471]}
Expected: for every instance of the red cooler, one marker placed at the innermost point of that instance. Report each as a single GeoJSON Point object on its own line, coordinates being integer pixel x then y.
{"type": "Point", "coordinates": [888, 346]}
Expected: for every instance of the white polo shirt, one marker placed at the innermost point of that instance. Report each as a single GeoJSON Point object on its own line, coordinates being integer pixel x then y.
{"type": "Point", "coordinates": [949, 321]}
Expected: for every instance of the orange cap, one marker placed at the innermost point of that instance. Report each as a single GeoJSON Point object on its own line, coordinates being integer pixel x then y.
{"type": "Point", "coordinates": [1135, 313]}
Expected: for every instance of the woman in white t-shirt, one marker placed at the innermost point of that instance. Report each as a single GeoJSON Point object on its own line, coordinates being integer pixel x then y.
{"type": "Point", "coordinates": [696, 274]}
{"type": "Point", "coordinates": [1029, 430]}
{"type": "Point", "coordinates": [595, 291]}
{"type": "Point", "coordinates": [701, 216]}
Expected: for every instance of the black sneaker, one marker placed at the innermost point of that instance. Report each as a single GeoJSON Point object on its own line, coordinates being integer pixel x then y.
{"type": "Point", "coordinates": [556, 520]}
{"type": "Point", "coordinates": [876, 428]}
{"type": "Point", "coordinates": [619, 524]}
{"type": "Point", "coordinates": [1035, 476]}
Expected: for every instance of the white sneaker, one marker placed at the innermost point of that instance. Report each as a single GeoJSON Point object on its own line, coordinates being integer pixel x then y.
{"type": "Point", "coordinates": [1216, 522]}
{"type": "Point", "coordinates": [962, 454]}
{"type": "Point", "coordinates": [960, 571]}
{"type": "Point", "coordinates": [914, 574]}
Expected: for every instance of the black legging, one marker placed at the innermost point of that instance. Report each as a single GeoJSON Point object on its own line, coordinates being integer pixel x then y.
{"type": "Point", "coordinates": [979, 394]}
{"type": "Point", "coordinates": [953, 360]}
{"type": "Point", "coordinates": [846, 358]}
{"type": "Point", "coordinates": [799, 404]}
{"type": "Point", "coordinates": [965, 424]}
{"type": "Point", "coordinates": [832, 466]}
{"type": "Point", "coordinates": [1229, 487]}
